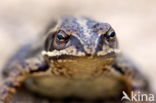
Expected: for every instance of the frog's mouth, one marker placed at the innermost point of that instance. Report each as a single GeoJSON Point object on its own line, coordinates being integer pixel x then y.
{"type": "Point", "coordinates": [80, 66]}
{"type": "Point", "coordinates": [65, 55]}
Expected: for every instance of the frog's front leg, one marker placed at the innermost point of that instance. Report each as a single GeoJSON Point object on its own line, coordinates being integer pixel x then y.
{"type": "Point", "coordinates": [137, 85]}
{"type": "Point", "coordinates": [134, 80]}
{"type": "Point", "coordinates": [17, 72]}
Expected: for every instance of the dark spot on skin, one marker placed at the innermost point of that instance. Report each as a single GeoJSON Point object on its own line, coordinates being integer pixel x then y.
{"type": "Point", "coordinates": [52, 72]}
{"type": "Point", "coordinates": [61, 74]}
{"type": "Point", "coordinates": [42, 68]}
{"type": "Point", "coordinates": [11, 84]}
{"type": "Point", "coordinates": [59, 68]}
{"type": "Point", "coordinates": [4, 92]}
{"type": "Point", "coordinates": [5, 74]}
{"type": "Point", "coordinates": [88, 54]}
{"type": "Point", "coordinates": [116, 67]}
{"type": "Point", "coordinates": [24, 64]}
{"type": "Point", "coordinates": [104, 69]}
{"type": "Point", "coordinates": [97, 27]}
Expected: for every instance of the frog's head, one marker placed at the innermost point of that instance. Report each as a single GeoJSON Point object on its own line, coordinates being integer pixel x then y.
{"type": "Point", "coordinates": [80, 37]}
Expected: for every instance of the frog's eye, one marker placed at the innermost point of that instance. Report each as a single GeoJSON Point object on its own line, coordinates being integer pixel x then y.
{"type": "Point", "coordinates": [62, 36]}
{"type": "Point", "coordinates": [111, 34]}
{"type": "Point", "coordinates": [61, 40]}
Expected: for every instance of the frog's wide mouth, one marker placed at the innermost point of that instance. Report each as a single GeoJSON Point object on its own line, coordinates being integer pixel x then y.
{"type": "Point", "coordinates": [111, 54]}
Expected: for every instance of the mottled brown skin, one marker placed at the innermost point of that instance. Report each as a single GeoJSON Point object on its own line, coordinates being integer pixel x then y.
{"type": "Point", "coordinates": [80, 58]}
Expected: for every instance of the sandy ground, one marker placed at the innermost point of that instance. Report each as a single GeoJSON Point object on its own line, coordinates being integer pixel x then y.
{"type": "Point", "coordinates": [133, 20]}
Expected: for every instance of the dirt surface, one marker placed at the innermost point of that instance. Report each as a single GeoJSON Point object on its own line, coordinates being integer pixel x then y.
{"type": "Point", "coordinates": [133, 20]}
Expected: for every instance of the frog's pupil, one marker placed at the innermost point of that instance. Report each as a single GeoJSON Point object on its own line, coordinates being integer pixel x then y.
{"type": "Point", "coordinates": [112, 34]}
{"type": "Point", "coordinates": [60, 37]}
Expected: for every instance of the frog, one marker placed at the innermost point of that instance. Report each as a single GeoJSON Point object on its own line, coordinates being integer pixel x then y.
{"type": "Point", "coordinates": [76, 57]}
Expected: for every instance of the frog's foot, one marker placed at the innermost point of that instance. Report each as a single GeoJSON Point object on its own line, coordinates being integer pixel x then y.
{"type": "Point", "coordinates": [7, 90]}
{"type": "Point", "coordinates": [6, 94]}
{"type": "Point", "coordinates": [19, 72]}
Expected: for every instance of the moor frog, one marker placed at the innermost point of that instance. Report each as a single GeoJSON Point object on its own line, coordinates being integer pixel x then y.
{"type": "Point", "coordinates": [79, 58]}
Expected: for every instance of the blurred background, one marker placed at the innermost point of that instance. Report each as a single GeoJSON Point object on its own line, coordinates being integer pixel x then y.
{"type": "Point", "coordinates": [133, 20]}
